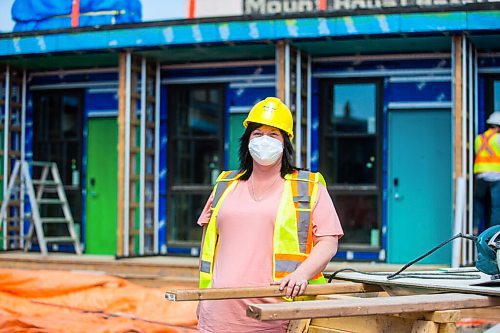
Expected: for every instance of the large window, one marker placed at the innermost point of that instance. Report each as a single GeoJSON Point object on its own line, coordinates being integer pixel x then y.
{"type": "Point", "coordinates": [492, 95]}
{"type": "Point", "coordinates": [350, 158]}
{"type": "Point", "coordinates": [195, 156]}
{"type": "Point", "coordinates": [496, 94]}
{"type": "Point", "coordinates": [491, 100]}
{"type": "Point", "coordinates": [58, 135]}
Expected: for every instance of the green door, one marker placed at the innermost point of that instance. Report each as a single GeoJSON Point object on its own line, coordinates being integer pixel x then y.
{"type": "Point", "coordinates": [419, 185]}
{"type": "Point", "coordinates": [102, 181]}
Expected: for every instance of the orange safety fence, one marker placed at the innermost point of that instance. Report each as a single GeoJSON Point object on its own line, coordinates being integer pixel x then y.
{"type": "Point", "coordinates": [61, 301]}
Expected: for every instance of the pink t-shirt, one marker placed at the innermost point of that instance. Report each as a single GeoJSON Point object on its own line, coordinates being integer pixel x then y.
{"type": "Point", "coordinates": [244, 257]}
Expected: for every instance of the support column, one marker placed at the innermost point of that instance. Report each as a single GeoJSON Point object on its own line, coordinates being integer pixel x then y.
{"type": "Point", "coordinates": [293, 80]}
{"type": "Point", "coordinates": [464, 115]}
{"type": "Point", "coordinates": [457, 107]}
{"type": "Point", "coordinates": [121, 151]}
{"type": "Point", "coordinates": [137, 148]}
{"type": "Point", "coordinates": [13, 106]}
{"type": "Point", "coordinates": [280, 70]}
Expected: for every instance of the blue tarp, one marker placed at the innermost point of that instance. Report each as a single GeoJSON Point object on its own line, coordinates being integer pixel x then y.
{"type": "Point", "coordinates": [55, 14]}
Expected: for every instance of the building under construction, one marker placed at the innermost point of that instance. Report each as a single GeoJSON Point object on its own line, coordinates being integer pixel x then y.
{"type": "Point", "coordinates": [141, 116]}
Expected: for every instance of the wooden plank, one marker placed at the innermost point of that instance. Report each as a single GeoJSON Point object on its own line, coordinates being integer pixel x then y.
{"type": "Point", "coordinates": [450, 316]}
{"type": "Point", "coordinates": [121, 151]}
{"type": "Point", "coordinates": [317, 329]}
{"type": "Point", "coordinates": [370, 306]}
{"type": "Point", "coordinates": [135, 132]}
{"type": "Point", "coordinates": [486, 314]}
{"type": "Point", "coordinates": [134, 204]}
{"type": "Point", "coordinates": [457, 108]}
{"type": "Point", "coordinates": [305, 106]}
{"type": "Point", "coordinates": [353, 295]}
{"type": "Point", "coordinates": [270, 291]}
{"type": "Point", "coordinates": [280, 52]}
{"type": "Point", "coordinates": [298, 326]}
{"type": "Point", "coordinates": [368, 324]}
{"type": "Point", "coordinates": [447, 328]}
{"type": "Point", "coordinates": [423, 326]}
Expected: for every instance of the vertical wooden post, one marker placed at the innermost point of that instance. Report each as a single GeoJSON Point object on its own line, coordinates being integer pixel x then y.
{"type": "Point", "coordinates": [134, 139]}
{"type": "Point", "coordinates": [121, 150]}
{"type": "Point", "coordinates": [6, 148]}
{"type": "Point", "coordinates": [305, 127]}
{"type": "Point", "coordinates": [292, 88]}
{"type": "Point", "coordinates": [136, 150]}
{"type": "Point", "coordinates": [12, 231]}
{"type": "Point", "coordinates": [457, 107]}
{"type": "Point", "coordinates": [457, 124]}
{"type": "Point", "coordinates": [280, 70]}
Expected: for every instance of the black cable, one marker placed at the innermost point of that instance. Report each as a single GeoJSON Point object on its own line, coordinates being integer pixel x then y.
{"type": "Point", "coordinates": [415, 275]}
{"type": "Point", "coordinates": [438, 276]}
{"type": "Point", "coordinates": [332, 276]}
{"type": "Point", "coordinates": [460, 235]}
{"type": "Point", "coordinates": [445, 275]}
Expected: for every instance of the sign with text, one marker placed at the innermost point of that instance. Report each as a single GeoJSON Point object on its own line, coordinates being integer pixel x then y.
{"type": "Point", "coordinates": [272, 7]}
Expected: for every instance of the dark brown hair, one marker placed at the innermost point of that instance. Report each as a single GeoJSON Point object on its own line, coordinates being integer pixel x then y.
{"type": "Point", "coordinates": [246, 160]}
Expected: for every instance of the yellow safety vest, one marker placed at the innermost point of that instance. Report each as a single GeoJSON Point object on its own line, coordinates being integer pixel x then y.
{"type": "Point", "coordinates": [487, 152]}
{"type": "Point", "coordinates": [293, 238]}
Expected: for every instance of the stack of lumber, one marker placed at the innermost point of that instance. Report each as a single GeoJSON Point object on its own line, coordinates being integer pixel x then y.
{"type": "Point", "coordinates": [339, 306]}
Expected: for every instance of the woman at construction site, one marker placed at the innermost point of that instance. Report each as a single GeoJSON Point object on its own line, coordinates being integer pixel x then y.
{"type": "Point", "coordinates": [266, 223]}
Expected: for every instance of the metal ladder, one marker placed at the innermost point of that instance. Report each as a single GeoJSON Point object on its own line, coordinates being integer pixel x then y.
{"type": "Point", "coordinates": [43, 185]}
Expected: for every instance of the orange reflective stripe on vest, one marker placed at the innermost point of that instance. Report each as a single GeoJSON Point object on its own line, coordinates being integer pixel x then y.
{"type": "Point", "coordinates": [287, 263]}
{"type": "Point", "coordinates": [293, 239]}
{"type": "Point", "coordinates": [485, 145]}
{"type": "Point", "coordinates": [487, 152]}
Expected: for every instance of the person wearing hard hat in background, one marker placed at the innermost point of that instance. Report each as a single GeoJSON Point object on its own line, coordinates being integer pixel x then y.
{"type": "Point", "coordinates": [487, 174]}
{"type": "Point", "coordinates": [266, 223]}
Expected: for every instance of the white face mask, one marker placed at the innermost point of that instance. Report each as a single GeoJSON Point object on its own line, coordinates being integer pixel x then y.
{"type": "Point", "coordinates": [265, 150]}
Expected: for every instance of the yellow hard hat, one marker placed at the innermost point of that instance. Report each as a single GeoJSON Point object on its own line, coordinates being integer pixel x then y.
{"type": "Point", "coordinates": [272, 112]}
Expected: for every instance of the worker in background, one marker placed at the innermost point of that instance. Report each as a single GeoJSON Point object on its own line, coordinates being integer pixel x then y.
{"type": "Point", "coordinates": [253, 233]}
{"type": "Point", "coordinates": [487, 174]}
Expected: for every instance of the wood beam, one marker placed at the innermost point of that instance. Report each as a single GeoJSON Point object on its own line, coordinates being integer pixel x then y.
{"type": "Point", "coordinates": [280, 70]}
{"type": "Point", "coordinates": [485, 314]}
{"type": "Point", "coordinates": [270, 291]}
{"type": "Point", "coordinates": [369, 306]}
{"type": "Point", "coordinates": [368, 324]}
{"type": "Point", "coordinates": [457, 108]}
{"type": "Point", "coordinates": [448, 316]}
{"type": "Point", "coordinates": [121, 151]}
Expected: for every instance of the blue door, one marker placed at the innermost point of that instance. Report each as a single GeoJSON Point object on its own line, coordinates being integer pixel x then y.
{"type": "Point", "coordinates": [419, 185]}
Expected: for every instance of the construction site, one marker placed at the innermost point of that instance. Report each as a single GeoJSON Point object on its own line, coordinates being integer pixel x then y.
{"type": "Point", "coordinates": [117, 119]}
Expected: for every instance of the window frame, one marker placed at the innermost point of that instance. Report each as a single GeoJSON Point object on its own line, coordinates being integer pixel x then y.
{"type": "Point", "coordinates": [174, 92]}
{"type": "Point", "coordinates": [489, 104]}
{"type": "Point", "coordinates": [40, 117]}
{"type": "Point", "coordinates": [326, 104]}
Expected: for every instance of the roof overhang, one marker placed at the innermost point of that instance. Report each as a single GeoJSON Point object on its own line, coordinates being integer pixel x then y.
{"type": "Point", "coordinates": [254, 39]}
